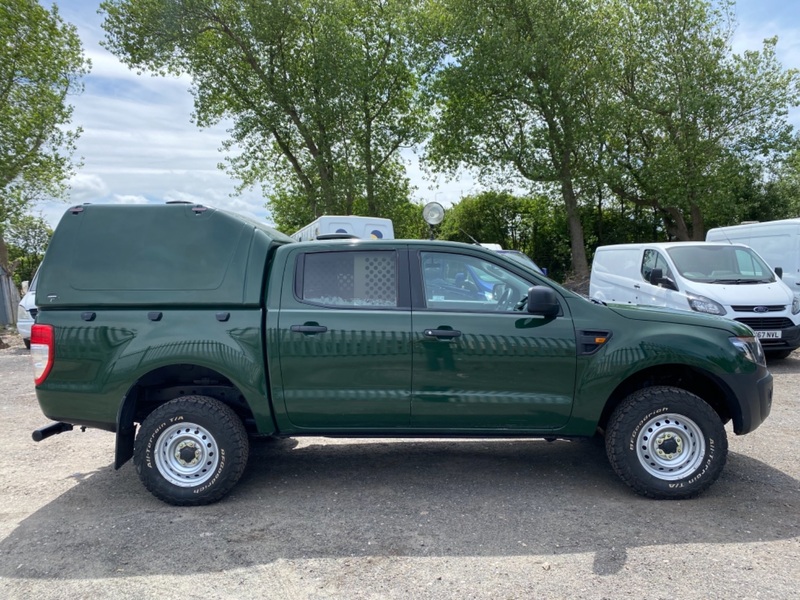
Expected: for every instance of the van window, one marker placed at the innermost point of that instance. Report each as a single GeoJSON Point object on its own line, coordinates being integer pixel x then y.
{"type": "Point", "coordinates": [653, 260]}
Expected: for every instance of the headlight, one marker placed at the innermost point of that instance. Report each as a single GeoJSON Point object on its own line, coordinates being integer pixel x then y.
{"type": "Point", "coordinates": [705, 305]}
{"type": "Point", "coordinates": [751, 348]}
{"type": "Point", "coordinates": [795, 304]}
{"type": "Point", "coordinates": [22, 314]}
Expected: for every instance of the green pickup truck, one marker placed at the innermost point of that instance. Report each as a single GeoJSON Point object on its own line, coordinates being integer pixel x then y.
{"type": "Point", "coordinates": [186, 330]}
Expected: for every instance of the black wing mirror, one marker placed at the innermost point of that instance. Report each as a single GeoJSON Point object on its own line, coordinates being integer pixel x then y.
{"type": "Point", "coordinates": [543, 301]}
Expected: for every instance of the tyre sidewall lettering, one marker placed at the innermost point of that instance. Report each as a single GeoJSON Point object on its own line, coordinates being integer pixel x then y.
{"type": "Point", "coordinates": [151, 441]}
{"type": "Point", "coordinates": [220, 471]}
{"type": "Point", "coordinates": [645, 419]}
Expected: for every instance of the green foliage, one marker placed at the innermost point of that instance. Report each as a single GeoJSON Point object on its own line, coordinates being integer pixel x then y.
{"type": "Point", "coordinates": [634, 109]}
{"type": "Point", "coordinates": [691, 120]}
{"type": "Point", "coordinates": [533, 225]}
{"type": "Point", "coordinates": [520, 96]}
{"type": "Point", "coordinates": [323, 94]}
{"type": "Point", "coordinates": [41, 63]}
{"type": "Point", "coordinates": [27, 238]}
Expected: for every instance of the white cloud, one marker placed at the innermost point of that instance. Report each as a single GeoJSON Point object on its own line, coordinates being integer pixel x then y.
{"type": "Point", "coordinates": [118, 199]}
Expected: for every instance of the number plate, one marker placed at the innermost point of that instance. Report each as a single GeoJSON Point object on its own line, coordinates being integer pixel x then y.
{"type": "Point", "coordinates": [768, 335]}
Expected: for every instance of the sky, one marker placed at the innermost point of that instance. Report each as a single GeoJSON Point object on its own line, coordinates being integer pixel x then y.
{"type": "Point", "coordinates": [139, 143]}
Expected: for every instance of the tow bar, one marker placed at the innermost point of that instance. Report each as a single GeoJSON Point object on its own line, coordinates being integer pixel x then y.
{"type": "Point", "coordinates": [49, 430]}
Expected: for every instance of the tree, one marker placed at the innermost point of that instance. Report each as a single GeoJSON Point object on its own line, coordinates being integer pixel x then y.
{"type": "Point", "coordinates": [41, 63]}
{"type": "Point", "coordinates": [535, 226]}
{"type": "Point", "coordinates": [27, 238]}
{"type": "Point", "coordinates": [692, 121]}
{"type": "Point", "coordinates": [520, 94]}
{"type": "Point", "coordinates": [323, 94]}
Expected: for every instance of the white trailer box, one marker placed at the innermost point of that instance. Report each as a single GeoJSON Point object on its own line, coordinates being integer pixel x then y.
{"type": "Point", "coordinates": [365, 228]}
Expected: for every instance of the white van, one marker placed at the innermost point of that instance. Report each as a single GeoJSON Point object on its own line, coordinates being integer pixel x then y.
{"type": "Point", "coordinates": [26, 312]}
{"type": "Point", "coordinates": [729, 280]}
{"type": "Point", "coordinates": [365, 228]}
{"type": "Point", "coordinates": [777, 242]}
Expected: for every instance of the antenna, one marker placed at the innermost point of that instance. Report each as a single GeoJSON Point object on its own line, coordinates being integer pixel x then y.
{"type": "Point", "coordinates": [474, 241]}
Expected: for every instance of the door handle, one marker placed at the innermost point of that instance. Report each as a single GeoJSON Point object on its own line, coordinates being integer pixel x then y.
{"type": "Point", "coordinates": [636, 286]}
{"type": "Point", "coordinates": [309, 329]}
{"type": "Point", "coordinates": [442, 334]}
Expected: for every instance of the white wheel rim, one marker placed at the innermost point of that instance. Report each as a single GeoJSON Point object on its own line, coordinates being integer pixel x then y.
{"type": "Point", "coordinates": [186, 455]}
{"type": "Point", "coordinates": [670, 447]}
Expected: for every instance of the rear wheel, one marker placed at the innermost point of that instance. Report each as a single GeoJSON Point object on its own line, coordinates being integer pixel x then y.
{"type": "Point", "coordinates": [666, 443]}
{"type": "Point", "coordinates": [191, 451]}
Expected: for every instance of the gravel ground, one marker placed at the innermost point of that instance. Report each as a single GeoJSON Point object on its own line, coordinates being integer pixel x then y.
{"type": "Point", "coordinates": [318, 518]}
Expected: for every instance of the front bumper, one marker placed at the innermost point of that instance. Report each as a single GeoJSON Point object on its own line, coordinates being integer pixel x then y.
{"type": "Point", "coordinates": [751, 402]}
{"type": "Point", "coordinates": [790, 335]}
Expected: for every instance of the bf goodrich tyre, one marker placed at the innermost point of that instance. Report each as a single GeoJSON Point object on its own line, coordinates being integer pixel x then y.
{"type": "Point", "coordinates": [666, 443]}
{"type": "Point", "coordinates": [191, 451]}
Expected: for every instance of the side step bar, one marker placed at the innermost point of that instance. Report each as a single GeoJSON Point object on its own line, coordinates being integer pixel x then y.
{"type": "Point", "coordinates": [49, 430]}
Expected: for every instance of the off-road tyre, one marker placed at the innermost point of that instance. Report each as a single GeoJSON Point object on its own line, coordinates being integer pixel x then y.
{"type": "Point", "coordinates": [191, 451]}
{"type": "Point", "coordinates": [666, 443]}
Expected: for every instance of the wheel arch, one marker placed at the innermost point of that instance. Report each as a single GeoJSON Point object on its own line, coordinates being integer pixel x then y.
{"type": "Point", "coordinates": [697, 381]}
{"type": "Point", "coordinates": [162, 384]}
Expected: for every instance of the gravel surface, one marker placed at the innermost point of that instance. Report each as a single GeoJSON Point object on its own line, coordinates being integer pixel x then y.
{"type": "Point", "coordinates": [318, 518]}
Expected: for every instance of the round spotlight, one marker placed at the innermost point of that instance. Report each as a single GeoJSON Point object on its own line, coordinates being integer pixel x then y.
{"type": "Point", "coordinates": [433, 213]}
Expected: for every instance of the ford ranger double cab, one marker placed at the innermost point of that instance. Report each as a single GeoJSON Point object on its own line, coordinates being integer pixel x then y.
{"type": "Point", "coordinates": [187, 330]}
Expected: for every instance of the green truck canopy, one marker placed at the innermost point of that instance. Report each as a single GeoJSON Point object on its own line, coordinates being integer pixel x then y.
{"type": "Point", "coordinates": [154, 255]}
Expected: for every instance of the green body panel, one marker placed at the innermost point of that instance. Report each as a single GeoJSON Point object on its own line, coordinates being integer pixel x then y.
{"type": "Point", "coordinates": [636, 346]}
{"type": "Point", "coordinates": [97, 362]}
{"type": "Point", "coordinates": [505, 371]}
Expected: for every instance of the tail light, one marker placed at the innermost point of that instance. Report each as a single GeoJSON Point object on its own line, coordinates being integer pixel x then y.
{"type": "Point", "coordinates": [42, 351]}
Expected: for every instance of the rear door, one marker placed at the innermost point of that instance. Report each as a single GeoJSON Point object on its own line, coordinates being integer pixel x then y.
{"type": "Point", "coordinates": [343, 338]}
{"type": "Point", "coordinates": [480, 360]}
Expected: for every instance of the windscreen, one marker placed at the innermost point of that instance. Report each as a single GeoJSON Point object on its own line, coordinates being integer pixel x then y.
{"type": "Point", "coordinates": [721, 264]}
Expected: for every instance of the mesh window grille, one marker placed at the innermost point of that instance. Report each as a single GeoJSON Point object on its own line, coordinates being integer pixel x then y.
{"type": "Point", "coordinates": [351, 278]}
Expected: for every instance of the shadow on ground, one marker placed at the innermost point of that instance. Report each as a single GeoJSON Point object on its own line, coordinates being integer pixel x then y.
{"type": "Point", "coordinates": [374, 498]}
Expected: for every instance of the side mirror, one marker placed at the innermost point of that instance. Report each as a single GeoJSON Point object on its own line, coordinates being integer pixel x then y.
{"type": "Point", "coordinates": [543, 301]}
{"type": "Point", "coordinates": [656, 275]}
{"type": "Point", "coordinates": [657, 278]}
{"type": "Point", "coordinates": [779, 272]}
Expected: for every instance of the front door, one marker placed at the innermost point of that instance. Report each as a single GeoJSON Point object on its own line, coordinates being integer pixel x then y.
{"type": "Point", "coordinates": [480, 360]}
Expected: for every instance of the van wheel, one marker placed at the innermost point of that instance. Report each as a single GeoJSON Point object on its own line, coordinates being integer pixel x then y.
{"type": "Point", "coordinates": [666, 443]}
{"type": "Point", "coordinates": [191, 451]}
{"type": "Point", "coordinates": [27, 343]}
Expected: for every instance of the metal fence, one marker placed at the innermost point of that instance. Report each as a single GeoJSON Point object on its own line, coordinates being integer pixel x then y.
{"type": "Point", "coordinates": [9, 299]}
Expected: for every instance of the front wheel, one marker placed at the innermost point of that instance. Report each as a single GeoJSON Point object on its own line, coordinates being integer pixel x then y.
{"type": "Point", "coordinates": [666, 443]}
{"type": "Point", "coordinates": [191, 451]}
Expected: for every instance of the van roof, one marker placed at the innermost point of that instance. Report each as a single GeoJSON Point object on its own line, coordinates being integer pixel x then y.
{"type": "Point", "coordinates": [664, 245]}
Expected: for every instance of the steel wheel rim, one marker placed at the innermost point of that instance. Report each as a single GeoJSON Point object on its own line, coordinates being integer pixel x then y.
{"type": "Point", "coordinates": [186, 455]}
{"type": "Point", "coordinates": [670, 447]}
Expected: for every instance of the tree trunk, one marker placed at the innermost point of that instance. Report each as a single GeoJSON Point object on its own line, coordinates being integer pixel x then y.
{"type": "Point", "coordinates": [580, 266]}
